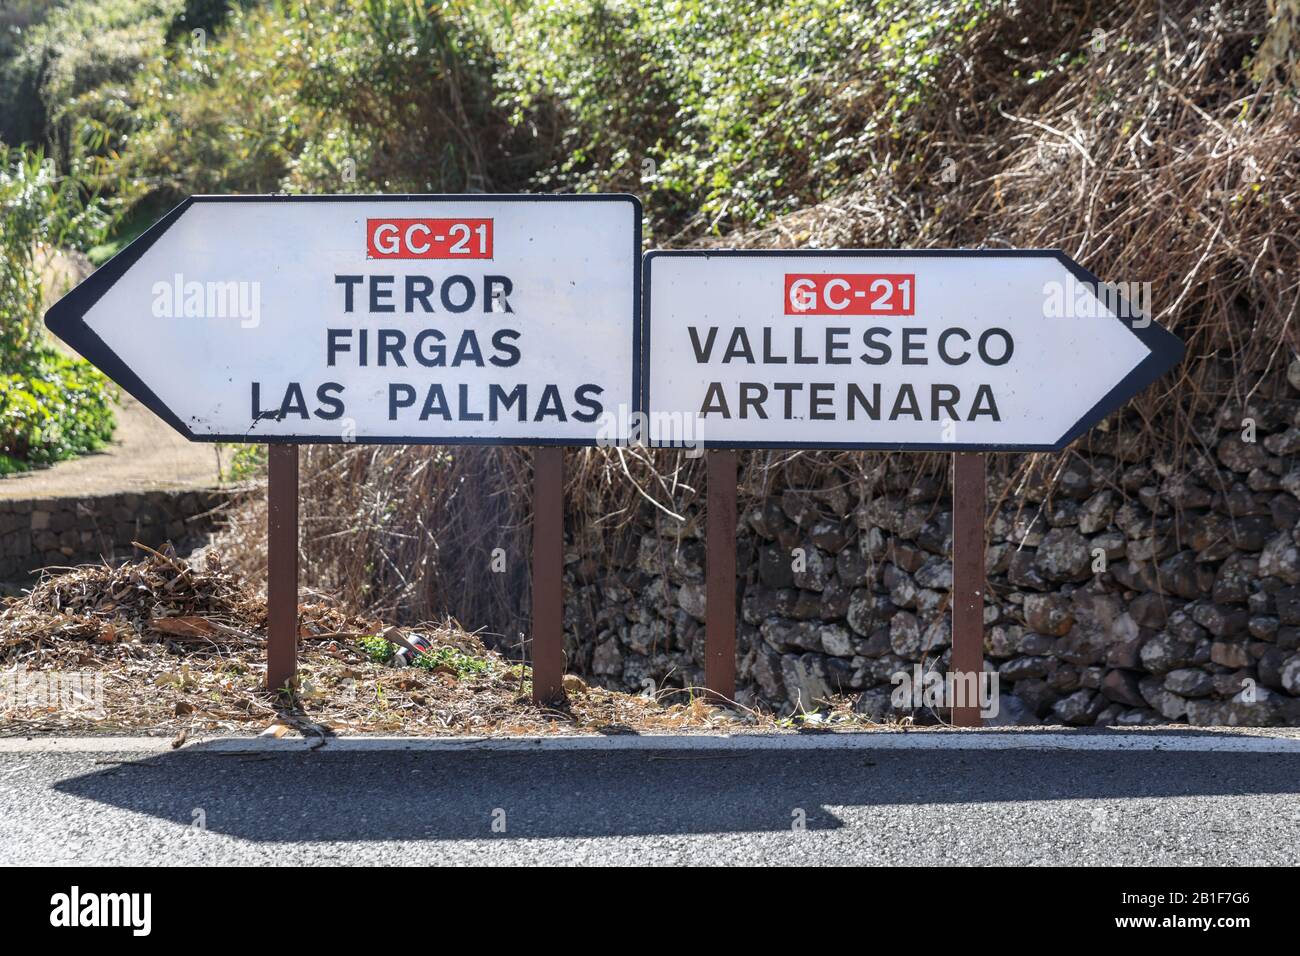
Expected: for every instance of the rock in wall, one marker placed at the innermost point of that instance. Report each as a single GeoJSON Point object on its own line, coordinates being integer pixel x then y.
{"type": "Point", "coordinates": [41, 532]}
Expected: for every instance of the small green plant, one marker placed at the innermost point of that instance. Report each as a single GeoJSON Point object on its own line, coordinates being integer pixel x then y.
{"type": "Point", "coordinates": [379, 650]}
{"type": "Point", "coordinates": [247, 462]}
{"type": "Point", "coordinates": [463, 664]}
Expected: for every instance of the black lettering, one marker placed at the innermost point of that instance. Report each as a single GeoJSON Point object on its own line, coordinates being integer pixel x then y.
{"type": "Point", "coordinates": [702, 355]}
{"type": "Point", "coordinates": [294, 402]}
{"type": "Point", "coordinates": [817, 401]}
{"type": "Point", "coordinates": [869, 338]}
{"type": "Point", "coordinates": [418, 289]}
{"type": "Point", "coordinates": [509, 354]}
{"type": "Point", "coordinates": [943, 346]}
{"type": "Point", "coordinates": [551, 404]}
{"type": "Point", "coordinates": [391, 342]}
{"type": "Point", "coordinates": [788, 389]}
{"type": "Point", "coordinates": [380, 294]}
{"type": "Point", "coordinates": [259, 413]}
{"type": "Point", "coordinates": [333, 346]}
{"type": "Point", "coordinates": [715, 400]}
{"type": "Point", "coordinates": [499, 399]}
{"type": "Point", "coordinates": [833, 345]}
{"type": "Point", "coordinates": [738, 347]}
{"type": "Point", "coordinates": [945, 397]}
{"type": "Point", "coordinates": [348, 283]}
{"type": "Point", "coordinates": [1009, 345]}
{"type": "Point", "coordinates": [465, 283]}
{"type": "Point", "coordinates": [430, 356]}
{"type": "Point", "coordinates": [984, 404]}
{"type": "Point", "coordinates": [856, 398]}
{"type": "Point", "coordinates": [465, 414]}
{"type": "Point", "coordinates": [399, 396]}
{"type": "Point", "coordinates": [909, 407]}
{"type": "Point", "coordinates": [327, 395]}
{"type": "Point", "coordinates": [768, 357]}
{"type": "Point", "coordinates": [435, 403]}
{"type": "Point", "coordinates": [752, 395]}
{"type": "Point", "coordinates": [494, 288]}
{"type": "Point", "coordinates": [584, 397]}
{"type": "Point", "coordinates": [468, 350]}
{"type": "Point", "coordinates": [909, 347]}
{"type": "Point", "coordinates": [799, 357]}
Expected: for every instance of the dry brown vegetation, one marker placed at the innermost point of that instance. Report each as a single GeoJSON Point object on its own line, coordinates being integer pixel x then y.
{"type": "Point", "coordinates": [181, 649]}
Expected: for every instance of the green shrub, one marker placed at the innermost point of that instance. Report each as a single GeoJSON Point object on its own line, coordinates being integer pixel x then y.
{"type": "Point", "coordinates": [39, 210]}
{"type": "Point", "coordinates": [58, 407]}
{"type": "Point", "coordinates": [52, 405]}
{"type": "Point", "coordinates": [406, 90]}
{"type": "Point", "coordinates": [340, 96]}
{"type": "Point", "coordinates": [67, 50]}
{"type": "Point", "coordinates": [222, 115]}
{"type": "Point", "coordinates": [721, 112]}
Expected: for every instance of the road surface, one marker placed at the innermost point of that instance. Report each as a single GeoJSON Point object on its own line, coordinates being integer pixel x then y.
{"type": "Point", "coordinates": [863, 803]}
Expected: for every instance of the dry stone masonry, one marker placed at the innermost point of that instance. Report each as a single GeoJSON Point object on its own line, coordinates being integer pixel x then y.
{"type": "Point", "coordinates": [41, 532]}
{"type": "Point", "coordinates": [1122, 590]}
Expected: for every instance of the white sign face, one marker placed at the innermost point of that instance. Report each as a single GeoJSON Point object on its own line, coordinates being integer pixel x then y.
{"type": "Point", "coordinates": [930, 350]}
{"type": "Point", "coordinates": [413, 318]}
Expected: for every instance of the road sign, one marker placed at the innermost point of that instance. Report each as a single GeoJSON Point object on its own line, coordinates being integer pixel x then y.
{"type": "Point", "coordinates": [443, 319]}
{"type": "Point", "coordinates": [928, 350]}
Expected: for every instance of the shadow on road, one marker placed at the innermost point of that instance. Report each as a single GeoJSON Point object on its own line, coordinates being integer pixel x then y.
{"type": "Point", "coordinates": [363, 796]}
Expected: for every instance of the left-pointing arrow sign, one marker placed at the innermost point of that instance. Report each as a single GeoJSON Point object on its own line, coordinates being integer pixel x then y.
{"type": "Point", "coordinates": [439, 319]}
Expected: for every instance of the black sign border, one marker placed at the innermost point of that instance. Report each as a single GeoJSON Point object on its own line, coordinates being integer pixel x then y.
{"type": "Point", "coordinates": [1166, 349]}
{"type": "Point", "coordinates": [65, 317]}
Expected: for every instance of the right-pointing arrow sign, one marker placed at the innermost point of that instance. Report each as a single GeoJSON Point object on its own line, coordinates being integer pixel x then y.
{"type": "Point", "coordinates": [928, 350]}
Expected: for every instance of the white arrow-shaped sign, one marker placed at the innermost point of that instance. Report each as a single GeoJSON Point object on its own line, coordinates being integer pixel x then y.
{"type": "Point", "coordinates": [929, 350]}
{"type": "Point", "coordinates": [507, 319]}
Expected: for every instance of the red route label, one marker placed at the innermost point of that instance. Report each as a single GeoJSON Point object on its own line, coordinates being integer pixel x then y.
{"type": "Point", "coordinates": [429, 238]}
{"type": "Point", "coordinates": [858, 293]}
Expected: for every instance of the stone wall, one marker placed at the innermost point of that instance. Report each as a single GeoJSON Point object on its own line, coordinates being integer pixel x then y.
{"type": "Point", "coordinates": [1122, 590]}
{"type": "Point", "coordinates": [38, 532]}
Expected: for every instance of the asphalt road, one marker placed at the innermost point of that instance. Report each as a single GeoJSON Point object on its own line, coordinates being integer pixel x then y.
{"type": "Point", "coordinates": [853, 806]}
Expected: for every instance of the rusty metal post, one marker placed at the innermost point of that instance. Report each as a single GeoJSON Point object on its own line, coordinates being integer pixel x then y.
{"type": "Point", "coordinates": [720, 577]}
{"type": "Point", "coordinates": [548, 574]}
{"type": "Point", "coordinates": [968, 579]}
{"type": "Point", "coordinates": [282, 565]}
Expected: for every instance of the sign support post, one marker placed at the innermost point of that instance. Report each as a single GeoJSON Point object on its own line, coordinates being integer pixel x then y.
{"type": "Point", "coordinates": [282, 565]}
{"type": "Point", "coordinates": [968, 582]}
{"type": "Point", "coordinates": [720, 577]}
{"type": "Point", "coordinates": [548, 574]}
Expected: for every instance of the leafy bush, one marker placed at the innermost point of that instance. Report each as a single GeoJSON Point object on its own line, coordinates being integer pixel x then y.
{"type": "Point", "coordinates": [61, 51]}
{"type": "Point", "coordinates": [57, 407]}
{"type": "Point", "coordinates": [52, 406]}
{"type": "Point", "coordinates": [721, 112]}
{"type": "Point", "coordinates": [344, 96]}
{"type": "Point", "coordinates": [407, 88]}
{"type": "Point", "coordinates": [221, 115]}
